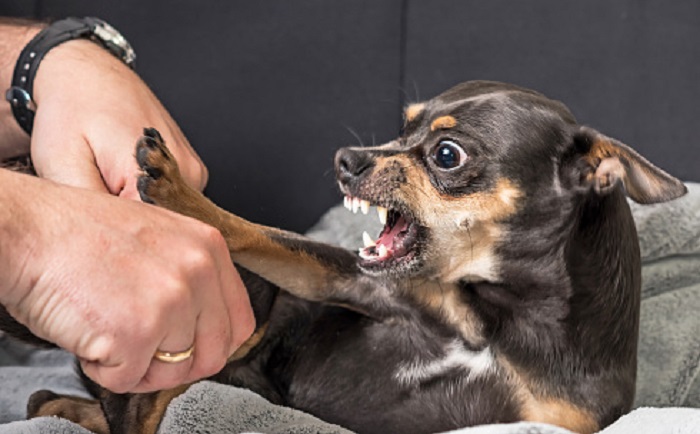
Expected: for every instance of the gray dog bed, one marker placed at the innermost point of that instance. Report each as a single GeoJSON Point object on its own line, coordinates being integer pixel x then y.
{"type": "Point", "coordinates": [668, 387]}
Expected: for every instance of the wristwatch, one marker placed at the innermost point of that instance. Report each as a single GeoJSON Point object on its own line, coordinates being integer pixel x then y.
{"type": "Point", "coordinates": [19, 95]}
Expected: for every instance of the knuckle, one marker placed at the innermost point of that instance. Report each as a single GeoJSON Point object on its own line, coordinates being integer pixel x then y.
{"type": "Point", "coordinates": [199, 260]}
{"type": "Point", "coordinates": [196, 173]}
{"type": "Point", "coordinates": [204, 176]}
{"type": "Point", "coordinates": [101, 348]}
{"type": "Point", "coordinates": [213, 236]}
{"type": "Point", "coordinates": [104, 377]}
{"type": "Point", "coordinates": [148, 326]}
{"type": "Point", "coordinates": [176, 295]}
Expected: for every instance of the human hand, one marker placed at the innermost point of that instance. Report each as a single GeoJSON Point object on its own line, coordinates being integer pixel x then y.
{"type": "Point", "coordinates": [91, 108]}
{"type": "Point", "coordinates": [107, 279]}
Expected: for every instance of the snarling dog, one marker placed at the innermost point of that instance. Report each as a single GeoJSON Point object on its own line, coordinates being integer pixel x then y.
{"type": "Point", "coordinates": [504, 286]}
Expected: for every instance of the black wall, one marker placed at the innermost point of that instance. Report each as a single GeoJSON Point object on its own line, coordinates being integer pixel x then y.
{"type": "Point", "coordinates": [267, 90]}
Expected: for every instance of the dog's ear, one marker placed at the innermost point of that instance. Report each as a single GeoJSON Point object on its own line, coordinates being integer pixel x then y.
{"type": "Point", "coordinates": [603, 162]}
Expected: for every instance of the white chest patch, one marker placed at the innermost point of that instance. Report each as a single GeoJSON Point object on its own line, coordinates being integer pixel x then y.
{"type": "Point", "coordinates": [475, 363]}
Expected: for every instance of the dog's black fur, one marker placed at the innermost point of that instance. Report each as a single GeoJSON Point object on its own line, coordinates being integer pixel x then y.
{"type": "Point", "coordinates": [512, 292]}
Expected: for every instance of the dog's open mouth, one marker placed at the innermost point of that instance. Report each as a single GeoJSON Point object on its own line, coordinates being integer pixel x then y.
{"type": "Point", "coordinates": [397, 242]}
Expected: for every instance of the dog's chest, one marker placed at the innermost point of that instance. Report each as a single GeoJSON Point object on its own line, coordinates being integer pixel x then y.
{"type": "Point", "coordinates": [363, 374]}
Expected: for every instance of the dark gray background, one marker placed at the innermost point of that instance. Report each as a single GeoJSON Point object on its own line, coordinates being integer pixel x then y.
{"type": "Point", "coordinates": [267, 90]}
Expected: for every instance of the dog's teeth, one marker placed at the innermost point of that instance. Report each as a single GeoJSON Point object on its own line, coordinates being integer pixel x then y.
{"type": "Point", "coordinates": [355, 204]}
{"type": "Point", "coordinates": [367, 240]}
{"type": "Point", "coordinates": [347, 203]}
{"type": "Point", "coordinates": [382, 214]}
{"type": "Point", "coordinates": [364, 206]}
{"type": "Point", "coordinates": [382, 251]}
{"type": "Point", "coordinates": [364, 254]}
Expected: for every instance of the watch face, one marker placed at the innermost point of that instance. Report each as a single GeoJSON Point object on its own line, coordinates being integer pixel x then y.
{"type": "Point", "coordinates": [115, 42]}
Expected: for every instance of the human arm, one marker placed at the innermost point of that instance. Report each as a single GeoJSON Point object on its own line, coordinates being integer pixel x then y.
{"type": "Point", "coordinates": [90, 109]}
{"type": "Point", "coordinates": [133, 273]}
{"type": "Point", "coordinates": [105, 279]}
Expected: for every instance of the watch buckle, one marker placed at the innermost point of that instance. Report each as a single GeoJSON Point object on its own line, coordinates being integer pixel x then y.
{"type": "Point", "coordinates": [19, 97]}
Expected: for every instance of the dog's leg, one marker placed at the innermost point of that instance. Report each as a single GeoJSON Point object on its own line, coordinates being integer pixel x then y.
{"type": "Point", "coordinates": [111, 414]}
{"type": "Point", "coordinates": [85, 412]}
{"type": "Point", "coordinates": [308, 269]}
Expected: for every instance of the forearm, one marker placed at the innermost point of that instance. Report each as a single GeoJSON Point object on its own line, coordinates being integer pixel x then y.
{"type": "Point", "coordinates": [15, 226]}
{"type": "Point", "coordinates": [14, 35]}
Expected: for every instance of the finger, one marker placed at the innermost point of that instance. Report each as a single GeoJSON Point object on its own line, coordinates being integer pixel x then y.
{"type": "Point", "coordinates": [66, 160]}
{"type": "Point", "coordinates": [182, 308]}
{"type": "Point", "coordinates": [120, 376]}
{"type": "Point", "coordinates": [163, 374]}
{"type": "Point", "coordinates": [212, 342]}
{"type": "Point", "coordinates": [237, 302]}
{"type": "Point", "coordinates": [114, 145]}
{"type": "Point", "coordinates": [214, 329]}
{"type": "Point", "coordinates": [193, 170]}
{"type": "Point", "coordinates": [211, 339]}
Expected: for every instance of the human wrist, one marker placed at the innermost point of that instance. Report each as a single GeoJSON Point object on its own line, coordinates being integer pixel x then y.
{"type": "Point", "coordinates": [14, 36]}
{"type": "Point", "coordinates": [70, 61]}
{"type": "Point", "coordinates": [21, 93]}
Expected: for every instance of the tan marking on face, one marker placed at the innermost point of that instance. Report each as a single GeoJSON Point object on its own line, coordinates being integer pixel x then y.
{"type": "Point", "coordinates": [536, 406]}
{"type": "Point", "coordinates": [413, 110]}
{"type": "Point", "coordinates": [443, 123]}
{"type": "Point", "coordinates": [464, 230]}
{"type": "Point", "coordinates": [444, 301]}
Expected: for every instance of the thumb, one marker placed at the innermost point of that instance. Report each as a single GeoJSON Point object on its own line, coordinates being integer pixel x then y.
{"type": "Point", "coordinates": [66, 160]}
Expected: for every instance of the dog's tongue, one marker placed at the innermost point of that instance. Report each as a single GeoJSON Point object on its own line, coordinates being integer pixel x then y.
{"type": "Point", "coordinates": [391, 242]}
{"type": "Point", "coordinates": [389, 237]}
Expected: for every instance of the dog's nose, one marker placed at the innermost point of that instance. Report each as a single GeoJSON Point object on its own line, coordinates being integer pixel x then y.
{"type": "Point", "coordinates": [351, 163]}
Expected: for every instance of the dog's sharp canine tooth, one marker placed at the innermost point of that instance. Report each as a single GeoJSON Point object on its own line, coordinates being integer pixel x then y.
{"type": "Point", "coordinates": [367, 240]}
{"type": "Point", "coordinates": [382, 251]}
{"type": "Point", "coordinates": [347, 203]}
{"type": "Point", "coordinates": [355, 204]}
{"type": "Point", "coordinates": [364, 206]}
{"type": "Point", "coordinates": [382, 214]}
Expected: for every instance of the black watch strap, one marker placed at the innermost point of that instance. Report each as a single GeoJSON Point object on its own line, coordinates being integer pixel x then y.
{"type": "Point", "coordinates": [19, 95]}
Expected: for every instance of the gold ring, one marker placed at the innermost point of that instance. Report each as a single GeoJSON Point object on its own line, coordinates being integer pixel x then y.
{"type": "Point", "coordinates": [168, 357]}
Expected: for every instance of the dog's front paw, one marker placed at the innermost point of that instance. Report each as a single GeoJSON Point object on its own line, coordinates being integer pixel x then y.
{"type": "Point", "coordinates": [160, 172]}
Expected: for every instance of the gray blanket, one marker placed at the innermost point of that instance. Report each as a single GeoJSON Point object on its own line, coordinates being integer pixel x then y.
{"type": "Point", "coordinates": [668, 388]}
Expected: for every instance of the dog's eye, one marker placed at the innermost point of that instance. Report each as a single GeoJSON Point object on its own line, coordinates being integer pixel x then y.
{"type": "Point", "coordinates": [449, 155]}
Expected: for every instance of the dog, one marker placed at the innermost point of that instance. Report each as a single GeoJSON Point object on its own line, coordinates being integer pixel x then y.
{"type": "Point", "coordinates": [504, 286]}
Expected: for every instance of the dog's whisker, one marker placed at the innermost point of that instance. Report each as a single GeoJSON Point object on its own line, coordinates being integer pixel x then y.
{"type": "Point", "coordinates": [356, 135]}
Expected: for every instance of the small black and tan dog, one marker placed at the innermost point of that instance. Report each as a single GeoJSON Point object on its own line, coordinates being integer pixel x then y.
{"type": "Point", "coordinates": [505, 285]}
